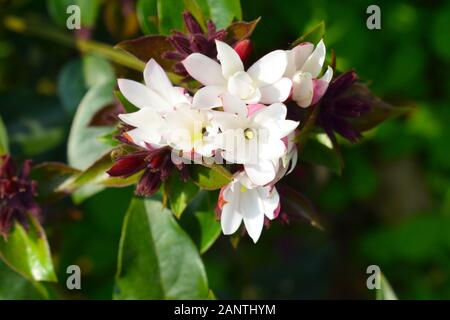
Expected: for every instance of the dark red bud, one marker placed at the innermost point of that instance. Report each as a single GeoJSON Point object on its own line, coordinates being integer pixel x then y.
{"type": "Point", "coordinates": [244, 49]}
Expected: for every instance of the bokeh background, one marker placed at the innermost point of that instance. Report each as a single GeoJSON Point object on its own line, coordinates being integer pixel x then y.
{"type": "Point", "coordinates": [390, 207]}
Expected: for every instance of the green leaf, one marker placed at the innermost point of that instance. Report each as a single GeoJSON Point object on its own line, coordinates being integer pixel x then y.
{"type": "Point", "coordinates": [83, 147]}
{"type": "Point", "coordinates": [223, 12]}
{"type": "Point", "coordinates": [4, 145]}
{"type": "Point", "coordinates": [157, 260]}
{"type": "Point", "coordinates": [27, 251]}
{"type": "Point", "coordinates": [385, 292]}
{"type": "Point", "coordinates": [210, 178]}
{"type": "Point", "coordinates": [96, 70]}
{"type": "Point", "coordinates": [71, 85]}
{"type": "Point", "coordinates": [149, 47]}
{"type": "Point", "coordinates": [313, 35]}
{"type": "Point", "coordinates": [52, 178]}
{"type": "Point", "coordinates": [200, 220]}
{"type": "Point", "coordinates": [147, 14]}
{"type": "Point", "coordinates": [170, 15]}
{"type": "Point", "coordinates": [89, 11]}
{"type": "Point", "coordinates": [242, 30]}
{"type": "Point", "coordinates": [15, 287]}
{"type": "Point", "coordinates": [318, 153]}
{"type": "Point", "coordinates": [179, 193]}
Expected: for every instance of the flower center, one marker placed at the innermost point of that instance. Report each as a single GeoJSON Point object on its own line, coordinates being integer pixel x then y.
{"type": "Point", "coordinates": [241, 85]}
{"type": "Point", "coordinates": [249, 134]}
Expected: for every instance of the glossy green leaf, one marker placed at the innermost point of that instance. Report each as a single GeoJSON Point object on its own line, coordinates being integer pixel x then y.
{"type": "Point", "coordinates": [242, 30]}
{"type": "Point", "coordinates": [149, 47]}
{"type": "Point", "coordinates": [83, 146]}
{"type": "Point", "coordinates": [223, 12]}
{"type": "Point", "coordinates": [52, 178]}
{"type": "Point", "coordinates": [385, 292]}
{"type": "Point", "coordinates": [71, 85]}
{"type": "Point", "coordinates": [157, 260]}
{"type": "Point", "coordinates": [200, 220]}
{"type": "Point", "coordinates": [4, 145]}
{"type": "Point", "coordinates": [170, 15]}
{"type": "Point", "coordinates": [15, 287]}
{"type": "Point", "coordinates": [210, 178]}
{"type": "Point", "coordinates": [27, 251]}
{"type": "Point", "coordinates": [89, 11]}
{"type": "Point", "coordinates": [147, 14]}
{"type": "Point", "coordinates": [96, 70]}
{"type": "Point", "coordinates": [313, 35]}
{"type": "Point", "coordinates": [179, 193]}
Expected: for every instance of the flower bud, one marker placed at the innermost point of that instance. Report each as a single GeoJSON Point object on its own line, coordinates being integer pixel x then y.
{"type": "Point", "coordinates": [244, 49]}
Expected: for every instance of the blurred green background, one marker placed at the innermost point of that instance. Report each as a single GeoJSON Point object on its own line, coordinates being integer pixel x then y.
{"type": "Point", "coordinates": [391, 206]}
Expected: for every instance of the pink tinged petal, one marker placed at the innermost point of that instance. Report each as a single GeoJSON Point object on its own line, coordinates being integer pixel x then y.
{"type": "Point", "coordinates": [315, 61]}
{"type": "Point", "coordinates": [230, 218]}
{"type": "Point", "coordinates": [208, 97]}
{"type": "Point", "coordinates": [252, 211]}
{"type": "Point", "coordinates": [260, 173]}
{"type": "Point", "coordinates": [269, 69]}
{"type": "Point", "coordinates": [252, 108]}
{"type": "Point", "coordinates": [232, 104]}
{"type": "Point", "coordinates": [229, 59]}
{"type": "Point", "coordinates": [277, 92]}
{"type": "Point", "coordinates": [320, 87]}
{"type": "Point", "coordinates": [303, 89]}
{"type": "Point", "coordinates": [156, 78]}
{"type": "Point", "coordinates": [203, 69]}
{"type": "Point", "coordinates": [142, 96]}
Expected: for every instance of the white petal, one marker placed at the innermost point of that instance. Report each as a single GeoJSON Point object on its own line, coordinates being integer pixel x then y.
{"type": "Point", "coordinates": [232, 104]}
{"type": "Point", "coordinates": [241, 85]}
{"type": "Point", "coordinates": [269, 69]}
{"type": "Point", "coordinates": [272, 149]}
{"type": "Point", "coordinates": [229, 59]}
{"type": "Point", "coordinates": [204, 69]}
{"type": "Point", "coordinates": [276, 111]}
{"type": "Point", "coordinates": [252, 211]}
{"type": "Point", "coordinates": [315, 61]}
{"type": "Point", "coordinates": [328, 75]}
{"type": "Point", "coordinates": [302, 89]}
{"type": "Point", "coordinates": [270, 201]}
{"type": "Point", "coordinates": [285, 127]}
{"type": "Point", "coordinates": [208, 97]}
{"type": "Point", "coordinates": [145, 117]}
{"type": "Point", "coordinates": [142, 96]}
{"type": "Point", "coordinates": [294, 160]}
{"type": "Point", "coordinates": [142, 137]}
{"type": "Point", "coordinates": [156, 78]}
{"type": "Point", "coordinates": [277, 92]}
{"type": "Point", "coordinates": [297, 57]}
{"type": "Point", "coordinates": [230, 218]}
{"type": "Point", "coordinates": [261, 173]}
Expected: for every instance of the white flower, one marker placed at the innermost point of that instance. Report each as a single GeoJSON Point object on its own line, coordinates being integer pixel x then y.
{"type": "Point", "coordinates": [242, 200]}
{"type": "Point", "coordinates": [155, 99]}
{"type": "Point", "coordinates": [191, 131]}
{"type": "Point", "coordinates": [263, 82]}
{"type": "Point", "coordinates": [304, 66]}
{"type": "Point", "coordinates": [253, 140]}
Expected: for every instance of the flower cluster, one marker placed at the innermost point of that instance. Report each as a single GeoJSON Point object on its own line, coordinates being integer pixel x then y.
{"type": "Point", "coordinates": [237, 116]}
{"type": "Point", "coordinates": [17, 192]}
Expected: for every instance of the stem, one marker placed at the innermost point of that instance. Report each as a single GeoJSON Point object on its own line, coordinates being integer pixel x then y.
{"type": "Point", "coordinates": [35, 28]}
{"type": "Point", "coordinates": [302, 137]}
